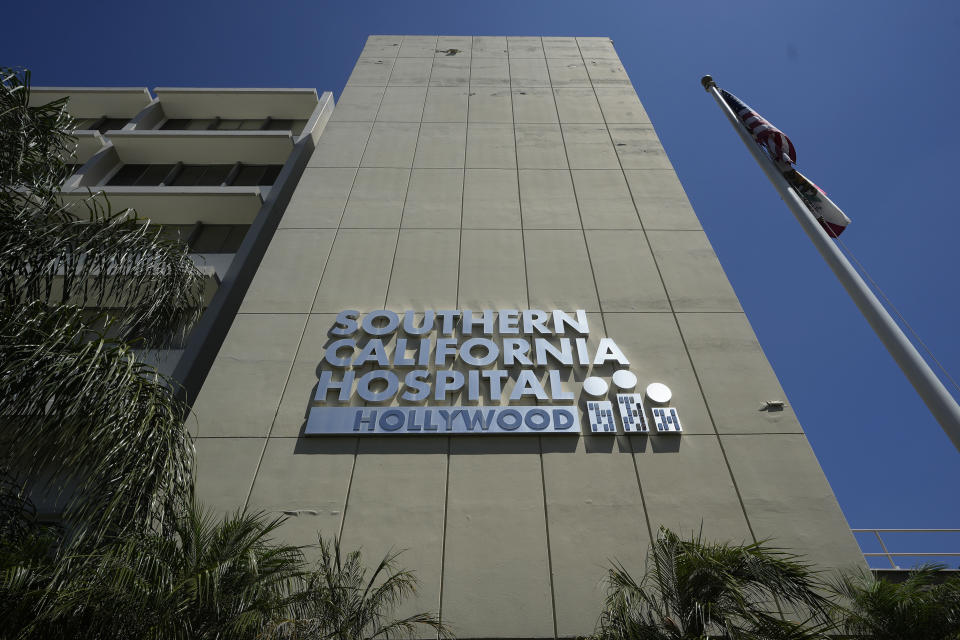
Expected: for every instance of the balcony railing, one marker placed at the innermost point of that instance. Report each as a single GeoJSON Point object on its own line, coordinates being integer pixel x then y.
{"type": "Point", "coordinates": [915, 544]}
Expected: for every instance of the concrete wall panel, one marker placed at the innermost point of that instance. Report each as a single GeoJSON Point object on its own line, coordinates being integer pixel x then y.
{"type": "Point", "coordinates": [491, 146]}
{"type": "Point", "coordinates": [660, 200]}
{"type": "Point", "coordinates": [358, 104]}
{"type": "Point", "coordinates": [401, 488]}
{"type": "Point", "coordinates": [306, 480]}
{"type": "Point", "coordinates": [625, 272]}
{"type": "Point", "coordinates": [604, 200]}
{"type": "Point", "coordinates": [737, 380]}
{"type": "Point", "coordinates": [341, 145]}
{"type": "Point", "coordinates": [450, 72]}
{"type": "Point", "coordinates": [487, 283]}
{"type": "Point", "coordinates": [402, 104]}
{"type": "Point", "coordinates": [434, 199]}
{"type": "Point", "coordinates": [595, 515]}
{"type": "Point", "coordinates": [691, 272]}
{"type": "Point", "coordinates": [558, 271]}
{"type": "Point", "coordinates": [391, 144]}
{"type": "Point", "coordinates": [688, 488]}
{"type": "Point", "coordinates": [425, 270]}
{"type": "Point", "coordinates": [358, 271]}
{"type": "Point", "coordinates": [441, 146]}
{"type": "Point", "coordinates": [578, 105]}
{"type": "Point", "coordinates": [492, 541]}
{"type": "Point", "coordinates": [540, 146]}
{"type": "Point", "coordinates": [320, 200]}
{"type": "Point", "coordinates": [242, 391]}
{"type": "Point", "coordinates": [491, 199]}
{"type": "Point", "coordinates": [224, 480]}
{"type": "Point", "coordinates": [787, 498]}
{"type": "Point", "coordinates": [621, 105]}
{"type": "Point", "coordinates": [491, 104]}
{"type": "Point", "coordinates": [547, 200]}
{"type": "Point", "coordinates": [413, 72]}
{"type": "Point", "coordinates": [534, 105]}
{"type": "Point", "coordinates": [287, 279]}
{"type": "Point", "coordinates": [446, 104]}
{"type": "Point", "coordinates": [377, 198]}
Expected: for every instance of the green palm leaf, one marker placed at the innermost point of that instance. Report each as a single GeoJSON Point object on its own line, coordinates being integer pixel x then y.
{"type": "Point", "coordinates": [693, 589]}
{"type": "Point", "coordinates": [923, 606]}
{"type": "Point", "coordinates": [82, 411]}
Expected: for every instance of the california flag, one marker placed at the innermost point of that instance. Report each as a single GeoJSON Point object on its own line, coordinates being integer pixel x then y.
{"type": "Point", "coordinates": [829, 215]}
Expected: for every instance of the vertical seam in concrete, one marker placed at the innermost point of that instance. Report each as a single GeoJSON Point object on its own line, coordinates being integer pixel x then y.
{"type": "Point", "coordinates": [266, 440]}
{"type": "Point", "coordinates": [346, 497]}
{"type": "Point", "coordinates": [463, 187]}
{"type": "Point", "coordinates": [543, 479]}
{"type": "Point", "coordinates": [516, 153]}
{"type": "Point", "coordinates": [446, 491]}
{"type": "Point", "coordinates": [673, 312]}
{"type": "Point", "coordinates": [573, 184]}
{"type": "Point", "coordinates": [443, 536]}
{"type": "Point", "coordinates": [643, 499]}
{"type": "Point", "coordinates": [546, 526]}
{"type": "Point", "coordinates": [416, 144]}
{"type": "Point", "coordinates": [446, 488]}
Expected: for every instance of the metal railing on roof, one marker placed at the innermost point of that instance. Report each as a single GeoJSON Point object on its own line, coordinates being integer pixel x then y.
{"type": "Point", "coordinates": [890, 555]}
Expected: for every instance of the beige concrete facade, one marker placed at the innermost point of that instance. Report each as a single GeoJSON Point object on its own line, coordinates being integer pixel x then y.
{"type": "Point", "coordinates": [506, 173]}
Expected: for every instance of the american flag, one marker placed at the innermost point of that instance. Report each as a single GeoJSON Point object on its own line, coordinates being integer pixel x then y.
{"type": "Point", "coordinates": [768, 136]}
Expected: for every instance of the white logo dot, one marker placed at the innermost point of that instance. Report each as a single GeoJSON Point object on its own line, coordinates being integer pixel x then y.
{"type": "Point", "coordinates": [659, 392]}
{"type": "Point", "coordinates": [595, 386]}
{"type": "Point", "coordinates": [624, 379]}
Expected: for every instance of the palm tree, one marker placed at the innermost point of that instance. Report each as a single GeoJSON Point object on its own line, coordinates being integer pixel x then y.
{"type": "Point", "coordinates": [922, 607]}
{"type": "Point", "coordinates": [694, 589]}
{"type": "Point", "coordinates": [343, 600]}
{"type": "Point", "coordinates": [203, 578]}
{"type": "Point", "coordinates": [28, 551]}
{"type": "Point", "coordinates": [77, 407]}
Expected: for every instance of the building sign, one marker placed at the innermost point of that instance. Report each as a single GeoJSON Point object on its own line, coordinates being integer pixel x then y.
{"type": "Point", "coordinates": [392, 361]}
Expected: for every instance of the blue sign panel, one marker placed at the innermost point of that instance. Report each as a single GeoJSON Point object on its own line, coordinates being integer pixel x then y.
{"type": "Point", "coordinates": [442, 420]}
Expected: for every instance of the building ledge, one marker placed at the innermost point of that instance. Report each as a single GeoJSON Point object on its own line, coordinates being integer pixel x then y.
{"type": "Point", "coordinates": [211, 282]}
{"type": "Point", "coordinates": [181, 205]}
{"type": "Point", "coordinates": [179, 102]}
{"type": "Point", "coordinates": [152, 146]}
{"type": "Point", "coordinates": [89, 142]}
{"type": "Point", "coordinates": [87, 102]}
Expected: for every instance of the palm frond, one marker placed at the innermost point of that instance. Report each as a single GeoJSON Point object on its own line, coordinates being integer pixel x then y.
{"type": "Point", "coordinates": [343, 600]}
{"type": "Point", "coordinates": [209, 578]}
{"type": "Point", "coordinates": [695, 589]}
{"type": "Point", "coordinates": [82, 253]}
{"type": "Point", "coordinates": [35, 142]}
{"type": "Point", "coordinates": [102, 260]}
{"type": "Point", "coordinates": [922, 606]}
{"type": "Point", "coordinates": [86, 411]}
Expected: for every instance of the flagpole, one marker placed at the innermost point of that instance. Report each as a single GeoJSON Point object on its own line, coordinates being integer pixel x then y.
{"type": "Point", "coordinates": [938, 400]}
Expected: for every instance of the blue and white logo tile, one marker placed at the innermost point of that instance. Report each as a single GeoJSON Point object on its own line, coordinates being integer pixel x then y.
{"type": "Point", "coordinates": [600, 413]}
{"type": "Point", "coordinates": [631, 413]}
{"type": "Point", "coordinates": [666, 420]}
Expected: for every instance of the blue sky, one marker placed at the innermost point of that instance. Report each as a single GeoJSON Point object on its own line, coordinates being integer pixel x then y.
{"type": "Point", "coordinates": [865, 90]}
